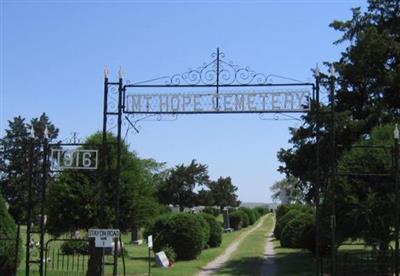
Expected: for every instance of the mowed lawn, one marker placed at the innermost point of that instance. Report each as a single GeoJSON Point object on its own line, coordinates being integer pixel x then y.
{"type": "Point", "coordinates": [248, 258]}
{"type": "Point", "coordinates": [136, 261]}
{"type": "Point", "coordinates": [137, 264]}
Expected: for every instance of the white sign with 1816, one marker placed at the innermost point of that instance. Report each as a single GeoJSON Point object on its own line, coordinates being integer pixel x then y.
{"type": "Point", "coordinates": [78, 159]}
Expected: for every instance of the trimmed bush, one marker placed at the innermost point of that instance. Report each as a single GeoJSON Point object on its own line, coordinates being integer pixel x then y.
{"type": "Point", "coordinates": [211, 210]}
{"type": "Point", "coordinates": [284, 220]}
{"type": "Point", "coordinates": [256, 214]}
{"type": "Point", "coordinates": [244, 218]}
{"type": "Point", "coordinates": [181, 231]}
{"type": "Point", "coordinates": [206, 230]}
{"type": "Point", "coordinates": [75, 247]}
{"type": "Point", "coordinates": [294, 232]}
{"type": "Point", "coordinates": [235, 220]}
{"type": "Point", "coordinates": [283, 209]}
{"type": "Point", "coordinates": [250, 215]}
{"type": "Point", "coordinates": [261, 210]}
{"type": "Point", "coordinates": [7, 247]}
{"type": "Point", "coordinates": [215, 237]}
{"type": "Point", "coordinates": [285, 213]}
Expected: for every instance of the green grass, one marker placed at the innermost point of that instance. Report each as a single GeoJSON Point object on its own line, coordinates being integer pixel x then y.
{"type": "Point", "coordinates": [293, 262]}
{"type": "Point", "coordinates": [248, 258]}
{"type": "Point", "coordinates": [136, 262]}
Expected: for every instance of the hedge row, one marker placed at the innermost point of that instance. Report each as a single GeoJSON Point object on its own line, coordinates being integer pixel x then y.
{"type": "Point", "coordinates": [8, 232]}
{"type": "Point", "coordinates": [295, 226]}
{"type": "Point", "coordinates": [244, 217]}
{"type": "Point", "coordinates": [185, 234]}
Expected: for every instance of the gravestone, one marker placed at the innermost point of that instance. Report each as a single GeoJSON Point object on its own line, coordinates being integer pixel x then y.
{"type": "Point", "coordinates": [161, 259]}
{"type": "Point", "coordinates": [225, 214]}
{"type": "Point", "coordinates": [136, 235]}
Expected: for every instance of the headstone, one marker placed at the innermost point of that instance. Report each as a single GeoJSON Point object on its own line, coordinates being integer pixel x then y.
{"type": "Point", "coordinates": [161, 259]}
{"type": "Point", "coordinates": [136, 235]}
{"type": "Point", "coordinates": [225, 214]}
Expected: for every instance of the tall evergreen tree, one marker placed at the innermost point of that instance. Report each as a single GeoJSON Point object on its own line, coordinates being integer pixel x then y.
{"type": "Point", "coordinates": [14, 164]}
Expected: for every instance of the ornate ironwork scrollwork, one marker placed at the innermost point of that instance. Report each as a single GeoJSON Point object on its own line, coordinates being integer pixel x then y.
{"type": "Point", "coordinates": [218, 71]}
{"type": "Point", "coordinates": [112, 99]}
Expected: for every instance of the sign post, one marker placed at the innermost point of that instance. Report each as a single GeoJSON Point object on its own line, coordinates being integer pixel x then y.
{"type": "Point", "coordinates": [150, 246]}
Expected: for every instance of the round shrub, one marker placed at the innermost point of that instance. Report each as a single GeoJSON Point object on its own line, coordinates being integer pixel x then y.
{"type": "Point", "coordinates": [256, 214]}
{"type": "Point", "coordinates": [244, 218]}
{"type": "Point", "coordinates": [181, 231]}
{"type": "Point", "coordinates": [215, 237]}
{"type": "Point", "coordinates": [206, 230]}
{"type": "Point", "coordinates": [293, 233]}
{"type": "Point", "coordinates": [75, 247]}
{"type": "Point", "coordinates": [157, 225]}
{"type": "Point", "coordinates": [211, 210]}
{"type": "Point", "coordinates": [250, 215]}
{"type": "Point", "coordinates": [261, 210]}
{"type": "Point", "coordinates": [235, 219]}
{"type": "Point", "coordinates": [284, 220]}
{"type": "Point", "coordinates": [7, 247]}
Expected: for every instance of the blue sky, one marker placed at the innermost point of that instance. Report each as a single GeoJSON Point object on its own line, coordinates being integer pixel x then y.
{"type": "Point", "coordinates": [53, 54]}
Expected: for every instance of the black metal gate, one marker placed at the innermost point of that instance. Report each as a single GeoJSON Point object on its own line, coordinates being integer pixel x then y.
{"type": "Point", "coordinates": [370, 263]}
{"type": "Point", "coordinates": [66, 261]}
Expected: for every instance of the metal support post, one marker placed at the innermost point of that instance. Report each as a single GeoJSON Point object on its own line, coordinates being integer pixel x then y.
{"type": "Point", "coordinates": [29, 209]}
{"type": "Point", "coordinates": [17, 247]}
{"type": "Point", "coordinates": [42, 204]}
{"type": "Point", "coordinates": [396, 173]}
{"type": "Point", "coordinates": [318, 176]}
{"type": "Point", "coordinates": [118, 176]}
{"type": "Point", "coordinates": [333, 171]}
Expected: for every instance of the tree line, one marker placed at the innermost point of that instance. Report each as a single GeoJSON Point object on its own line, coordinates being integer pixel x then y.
{"type": "Point", "coordinates": [86, 199]}
{"type": "Point", "coordinates": [367, 106]}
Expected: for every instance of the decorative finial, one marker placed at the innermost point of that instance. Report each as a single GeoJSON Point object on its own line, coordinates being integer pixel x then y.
{"type": "Point", "coordinates": [32, 133]}
{"type": "Point", "coordinates": [46, 133]}
{"type": "Point", "coordinates": [120, 72]}
{"type": "Point", "coordinates": [332, 71]}
{"type": "Point", "coordinates": [106, 72]}
{"type": "Point", "coordinates": [316, 71]}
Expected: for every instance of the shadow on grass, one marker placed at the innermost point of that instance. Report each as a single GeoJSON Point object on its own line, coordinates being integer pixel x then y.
{"type": "Point", "coordinates": [295, 263]}
{"type": "Point", "coordinates": [138, 258]}
{"type": "Point", "coordinates": [248, 266]}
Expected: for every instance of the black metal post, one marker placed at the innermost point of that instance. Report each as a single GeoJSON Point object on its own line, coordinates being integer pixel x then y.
{"type": "Point", "coordinates": [149, 261]}
{"type": "Point", "coordinates": [105, 154]}
{"type": "Point", "coordinates": [396, 166]}
{"type": "Point", "coordinates": [42, 205]}
{"type": "Point", "coordinates": [118, 172]}
{"type": "Point", "coordinates": [17, 248]}
{"type": "Point", "coordinates": [217, 86]}
{"type": "Point", "coordinates": [333, 172]}
{"type": "Point", "coordinates": [29, 209]}
{"type": "Point", "coordinates": [318, 176]}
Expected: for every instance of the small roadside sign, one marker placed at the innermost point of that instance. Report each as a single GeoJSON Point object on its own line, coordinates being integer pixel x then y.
{"type": "Point", "coordinates": [150, 241]}
{"type": "Point", "coordinates": [103, 237]}
{"type": "Point", "coordinates": [103, 242]}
